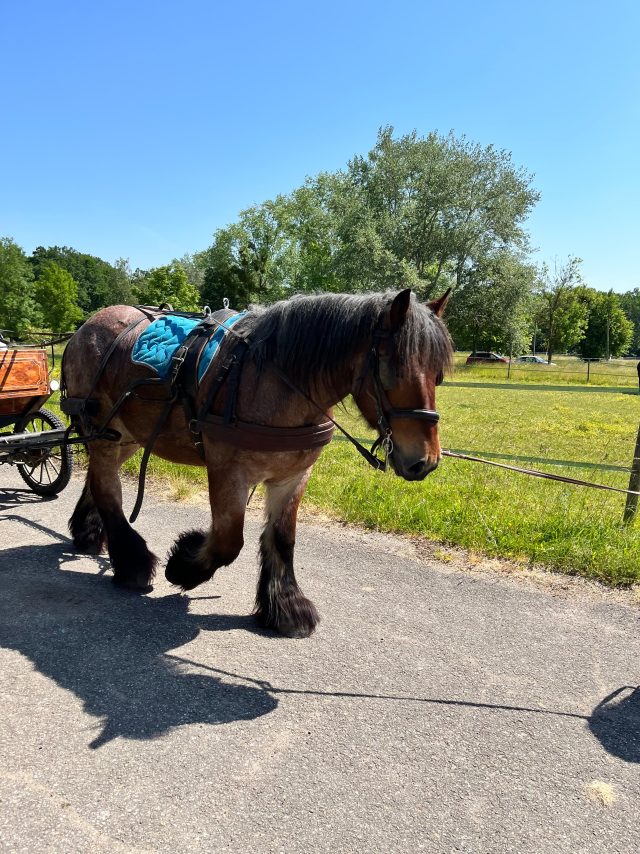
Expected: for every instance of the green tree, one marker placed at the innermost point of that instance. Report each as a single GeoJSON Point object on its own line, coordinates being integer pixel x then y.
{"type": "Point", "coordinates": [250, 261]}
{"type": "Point", "coordinates": [56, 293]}
{"type": "Point", "coordinates": [18, 309]}
{"type": "Point", "coordinates": [194, 265]}
{"type": "Point", "coordinates": [167, 284]}
{"type": "Point", "coordinates": [99, 283]}
{"type": "Point", "coordinates": [491, 310]}
{"type": "Point", "coordinates": [608, 332]}
{"type": "Point", "coordinates": [560, 313]}
{"type": "Point", "coordinates": [422, 207]}
{"type": "Point", "coordinates": [416, 211]}
{"type": "Point", "coordinates": [630, 303]}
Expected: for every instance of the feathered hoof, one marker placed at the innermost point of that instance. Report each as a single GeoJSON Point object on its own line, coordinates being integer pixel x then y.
{"type": "Point", "coordinates": [291, 615]}
{"type": "Point", "coordinates": [184, 566]}
{"type": "Point", "coordinates": [134, 566]}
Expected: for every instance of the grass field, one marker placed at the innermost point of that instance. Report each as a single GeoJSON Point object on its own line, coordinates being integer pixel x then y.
{"type": "Point", "coordinates": [566, 370]}
{"type": "Point", "coordinates": [566, 528]}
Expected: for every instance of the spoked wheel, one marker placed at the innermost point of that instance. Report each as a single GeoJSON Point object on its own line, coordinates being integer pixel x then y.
{"type": "Point", "coordinates": [45, 470]}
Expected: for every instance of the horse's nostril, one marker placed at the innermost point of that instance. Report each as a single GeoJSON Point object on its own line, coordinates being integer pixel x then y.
{"type": "Point", "coordinates": [422, 468]}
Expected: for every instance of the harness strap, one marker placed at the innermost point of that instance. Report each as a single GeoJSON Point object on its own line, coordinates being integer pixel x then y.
{"type": "Point", "coordinates": [258, 437]}
{"type": "Point", "coordinates": [374, 462]}
{"type": "Point", "coordinates": [142, 474]}
{"type": "Point", "coordinates": [146, 315]}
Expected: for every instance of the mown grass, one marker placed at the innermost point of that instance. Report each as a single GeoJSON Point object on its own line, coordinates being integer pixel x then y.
{"type": "Point", "coordinates": [565, 528]}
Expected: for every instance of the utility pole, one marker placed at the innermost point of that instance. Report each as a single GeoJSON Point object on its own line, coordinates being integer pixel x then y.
{"type": "Point", "coordinates": [609, 295]}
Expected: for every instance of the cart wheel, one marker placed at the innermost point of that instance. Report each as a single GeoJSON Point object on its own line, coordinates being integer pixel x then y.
{"type": "Point", "coordinates": [47, 471]}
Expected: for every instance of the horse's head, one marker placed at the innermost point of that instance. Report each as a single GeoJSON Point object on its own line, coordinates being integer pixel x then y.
{"type": "Point", "coordinates": [396, 387]}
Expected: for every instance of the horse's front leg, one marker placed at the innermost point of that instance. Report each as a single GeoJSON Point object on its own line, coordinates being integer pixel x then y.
{"type": "Point", "coordinates": [196, 555]}
{"type": "Point", "coordinates": [280, 604]}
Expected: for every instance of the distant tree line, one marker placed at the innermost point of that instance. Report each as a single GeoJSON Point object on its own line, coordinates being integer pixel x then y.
{"type": "Point", "coordinates": [421, 212]}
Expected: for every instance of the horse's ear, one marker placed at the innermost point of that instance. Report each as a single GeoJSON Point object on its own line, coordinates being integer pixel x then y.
{"type": "Point", "coordinates": [438, 306]}
{"type": "Point", "coordinates": [398, 310]}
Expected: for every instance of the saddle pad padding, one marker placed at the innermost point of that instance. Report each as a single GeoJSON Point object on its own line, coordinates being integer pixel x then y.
{"type": "Point", "coordinates": [159, 341]}
{"type": "Point", "coordinates": [211, 347]}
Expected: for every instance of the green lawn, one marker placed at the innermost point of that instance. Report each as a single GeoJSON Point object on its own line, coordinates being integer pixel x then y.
{"type": "Point", "coordinates": [566, 370]}
{"type": "Point", "coordinates": [566, 528]}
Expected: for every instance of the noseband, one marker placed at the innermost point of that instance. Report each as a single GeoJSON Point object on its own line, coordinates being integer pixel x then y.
{"type": "Point", "coordinates": [385, 412]}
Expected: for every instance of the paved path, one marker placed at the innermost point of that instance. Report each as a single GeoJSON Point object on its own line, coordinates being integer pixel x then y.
{"type": "Point", "coordinates": [432, 711]}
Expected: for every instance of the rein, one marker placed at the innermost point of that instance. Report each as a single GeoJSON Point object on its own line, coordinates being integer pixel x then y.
{"type": "Point", "coordinates": [537, 473]}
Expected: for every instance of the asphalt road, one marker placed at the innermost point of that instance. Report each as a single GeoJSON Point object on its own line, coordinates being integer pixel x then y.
{"type": "Point", "coordinates": [433, 710]}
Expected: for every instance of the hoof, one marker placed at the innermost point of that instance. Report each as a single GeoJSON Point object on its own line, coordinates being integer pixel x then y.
{"type": "Point", "coordinates": [184, 567]}
{"type": "Point", "coordinates": [86, 526]}
{"type": "Point", "coordinates": [88, 545]}
{"type": "Point", "coordinates": [140, 580]}
{"type": "Point", "coordinates": [135, 585]}
{"type": "Point", "coordinates": [291, 615]}
{"type": "Point", "coordinates": [134, 566]}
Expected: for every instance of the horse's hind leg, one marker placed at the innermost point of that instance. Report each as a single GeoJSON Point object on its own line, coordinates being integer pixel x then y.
{"type": "Point", "coordinates": [132, 562]}
{"type": "Point", "coordinates": [280, 604]}
{"type": "Point", "coordinates": [86, 525]}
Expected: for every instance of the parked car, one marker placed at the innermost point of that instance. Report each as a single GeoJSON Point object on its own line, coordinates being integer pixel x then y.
{"type": "Point", "coordinates": [534, 360]}
{"type": "Point", "coordinates": [485, 357]}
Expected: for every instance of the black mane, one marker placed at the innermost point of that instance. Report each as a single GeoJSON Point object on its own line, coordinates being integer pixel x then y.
{"type": "Point", "coordinates": [319, 335]}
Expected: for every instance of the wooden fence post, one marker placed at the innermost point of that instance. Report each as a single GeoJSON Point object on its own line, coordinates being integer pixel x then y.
{"type": "Point", "coordinates": [631, 507]}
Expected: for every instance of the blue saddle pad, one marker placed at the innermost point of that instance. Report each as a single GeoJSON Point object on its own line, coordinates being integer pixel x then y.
{"type": "Point", "coordinates": [159, 341]}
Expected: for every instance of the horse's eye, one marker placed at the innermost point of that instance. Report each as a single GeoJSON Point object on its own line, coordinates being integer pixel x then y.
{"type": "Point", "coordinates": [439, 378]}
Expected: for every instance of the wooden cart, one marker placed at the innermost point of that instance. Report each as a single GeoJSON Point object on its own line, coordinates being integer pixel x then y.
{"type": "Point", "coordinates": [32, 438]}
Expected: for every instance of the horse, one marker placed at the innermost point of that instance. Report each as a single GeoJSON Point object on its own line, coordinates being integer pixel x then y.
{"type": "Point", "coordinates": [301, 357]}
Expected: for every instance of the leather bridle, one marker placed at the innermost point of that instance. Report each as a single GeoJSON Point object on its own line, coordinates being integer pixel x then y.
{"type": "Point", "coordinates": [385, 412]}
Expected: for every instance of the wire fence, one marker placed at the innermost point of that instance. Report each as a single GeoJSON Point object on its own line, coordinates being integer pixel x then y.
{"type": "Point", "coordinates": [588, 369]}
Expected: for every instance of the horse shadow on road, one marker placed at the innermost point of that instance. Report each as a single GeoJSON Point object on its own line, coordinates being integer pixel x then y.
{"type": "Point", "coordinates": [108, 647]}
{"type": "Point", "coordinates": [112, 649]}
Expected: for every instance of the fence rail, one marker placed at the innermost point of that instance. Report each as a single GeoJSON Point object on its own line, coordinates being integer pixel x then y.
{"type": "Point", "coordinates": [596, 389]}
{"type": "Point", "coordinates": [588, 368]}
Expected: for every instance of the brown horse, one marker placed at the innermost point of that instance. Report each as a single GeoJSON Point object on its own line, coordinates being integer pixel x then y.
{"type": "Point", "coordinates": [303, 356]}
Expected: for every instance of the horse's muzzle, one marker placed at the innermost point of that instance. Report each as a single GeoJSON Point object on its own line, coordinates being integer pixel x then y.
{"type": "Point", "coordinates": [417, 471]}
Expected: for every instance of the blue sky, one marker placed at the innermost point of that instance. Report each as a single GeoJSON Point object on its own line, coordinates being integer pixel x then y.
{"type": "Point", "coordinates": [136, 129]}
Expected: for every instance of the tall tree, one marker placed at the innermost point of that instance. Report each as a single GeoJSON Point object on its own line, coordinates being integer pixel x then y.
{"type": "Point", "coordinates": [416, 211]}
{"type": "Point", "coordinates": [250, 261]}
{"type": "Point", "coordinates": [18, 309]}
{"type": "Point", "coordinates": [561, 315]}
{"type": "Point", "coordinates": [425, 206]}
{"type": "Point", "coordinates": [99, 283]}
{"type": "Point", "coordinates": [56, 293]}
{"type": "Point", "coordinates": [608, 332]}
{"type": "Point", "coordinates": [168, 284]}
{"type": "Point", "coordinates": [630, 303]}
{"type": "Point", "coordinates": [492, 308]}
